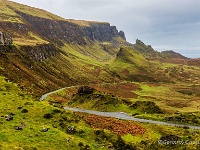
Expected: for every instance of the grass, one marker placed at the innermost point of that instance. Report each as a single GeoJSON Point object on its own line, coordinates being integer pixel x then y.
{"type": "Point", "coordinates": [13, 98]}
{"type": "Point", "coordinates": [33, 11]}
{"type": "Point", "coordinates": [172, 87]}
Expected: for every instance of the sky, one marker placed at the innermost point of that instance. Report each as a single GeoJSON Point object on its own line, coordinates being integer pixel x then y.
{"type": "Point", "coordinates": [163, 24]}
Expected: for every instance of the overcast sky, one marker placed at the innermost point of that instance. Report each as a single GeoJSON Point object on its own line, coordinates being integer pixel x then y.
{"type": "Point", "coordinates": [164, 24]}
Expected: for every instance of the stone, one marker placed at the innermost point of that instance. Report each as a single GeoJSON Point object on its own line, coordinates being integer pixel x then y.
{"type": "Point", "coordinates": [71, 130]}
{"type": "Point", "coordinates": [9, 117]}
{"type": "Point", "coordinates": [19, 107]}
{"type": "Point", "coordinates": [6, 38]}
{"type": "Point", "coordinates": [18, 127]}
{"type": "Point", "coordinates": [45, 129]}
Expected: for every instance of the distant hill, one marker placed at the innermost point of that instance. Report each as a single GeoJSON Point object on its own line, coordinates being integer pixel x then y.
{"type": "Point", "coordinates": [148, 52]}
{"type": "Point", "coordinates": [172, 54]}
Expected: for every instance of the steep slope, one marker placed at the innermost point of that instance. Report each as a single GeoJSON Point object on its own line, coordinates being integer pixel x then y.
{"type": "Point", "coordinates": [131, 65]}
{"type": "Point", "coordinates": [51, 52]}
{"type": "Point", "coordinates": [34, 24]}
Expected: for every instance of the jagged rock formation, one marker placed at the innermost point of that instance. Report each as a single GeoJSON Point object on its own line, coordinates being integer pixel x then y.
{"type": "Point", "coordinates": [5, 38]}
{"type": "Point", "coordinates": [146, 50]}
{"type": "Point", "coordinates": [102, 32]}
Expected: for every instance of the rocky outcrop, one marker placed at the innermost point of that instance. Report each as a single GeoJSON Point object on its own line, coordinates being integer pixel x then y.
{"type": "Point", "coordinates": [5, 38]}
{"type": "Point", "coordinates": [41, 52]}
{"type": "Point", "coordinates": [102, 32]}
{"type": "Point", "coordinates": [122, 35]}
{"type": "Point", "coordinates": [38, 53]}
{"type": "Point", "coordinates": [19, 28]}
{"type": "Point", "coordinates": [7, 49]}
{"type": "Point", "coordinates": [85, 90]}
{"type": "Point", "coordinates": [56, 31]}
{"type": "Point", "coordinates": [146, 50]}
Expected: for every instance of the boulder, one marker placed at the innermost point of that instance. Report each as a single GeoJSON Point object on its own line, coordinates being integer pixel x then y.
{"type": "Point", "coordinates": [85, 90]}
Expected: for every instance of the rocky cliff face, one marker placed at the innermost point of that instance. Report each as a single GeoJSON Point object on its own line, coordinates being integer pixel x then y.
{"type": "Point", "coordinates": [7, 49]}
{"type": "Point", "coordinates": [30, 29]}
{"type": "Point", "coordinates": [55, 31]}
{"type": "Point", "coordinates": [102, 32]}
{"type": "Point", "coordinates": [59, 31]}
{"type": "Point", "coordinates": [41, 52]}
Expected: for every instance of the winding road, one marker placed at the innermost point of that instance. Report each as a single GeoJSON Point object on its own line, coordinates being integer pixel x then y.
{"type": "Point", "coordinates": [43, 97]}
{"type": "Point", "coordinates": [119, 115]}
{"type": "Point", "coordinates": [122, 115]}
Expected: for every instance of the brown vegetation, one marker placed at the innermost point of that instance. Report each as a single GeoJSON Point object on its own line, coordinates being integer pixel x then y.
{"type": "Point", "coordinates": [120, 127]}
{"type": "Point", "coordinates": [123, 90]}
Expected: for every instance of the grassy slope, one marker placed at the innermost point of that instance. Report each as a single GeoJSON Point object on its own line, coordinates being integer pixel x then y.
{"type": "Point", "coordinates": [31, 136]}
{"type": "Point", "coordinates": [8, 15]}
{"type": "Point", "coordinates": [12, 98]}
{"type": "Point", "coordinates": [82, 65]}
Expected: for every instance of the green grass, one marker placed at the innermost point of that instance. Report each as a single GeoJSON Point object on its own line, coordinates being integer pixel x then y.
{"type": "Point", "coordinates": [31, 137]}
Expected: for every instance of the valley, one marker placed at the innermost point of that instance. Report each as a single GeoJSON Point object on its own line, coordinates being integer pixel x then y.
{"type": "Point", "coordinates": [50, 65]}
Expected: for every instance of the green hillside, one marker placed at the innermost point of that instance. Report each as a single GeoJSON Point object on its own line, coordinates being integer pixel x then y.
{"type": "Point", "coordinates": [49, 53]}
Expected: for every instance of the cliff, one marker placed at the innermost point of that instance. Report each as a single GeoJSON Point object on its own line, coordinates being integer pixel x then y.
{"type": "Point", "coordinates": [59, 30]}
{"type": "Point", "coordinates": [102, 32]}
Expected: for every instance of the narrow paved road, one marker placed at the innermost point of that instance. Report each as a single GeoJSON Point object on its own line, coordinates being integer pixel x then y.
{"type": "Point", "coordinates": [43, 97]}
{"type": "Point", "coordinates": [121, 115]}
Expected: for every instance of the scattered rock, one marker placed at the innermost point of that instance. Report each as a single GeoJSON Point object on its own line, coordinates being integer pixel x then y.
{"type": "Point", "coordinates": [45, 129]}
{"type": "Point", "coordinates": [19, 107]}
{"type": "Point", "coordinates": [67, 140]}
{"type": "Point", "coordinates": [24, 111]}
{"type": "Point", "coordinates": [71, 130]}
{"type": "Point", "coordinates": [12, 114]}
{"type": "Point", "coordinates": [18, 127]}
{"type": "Point", "coordinates": [9, 117]}
{"type": "Point", "coordinates": [22, 126]}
